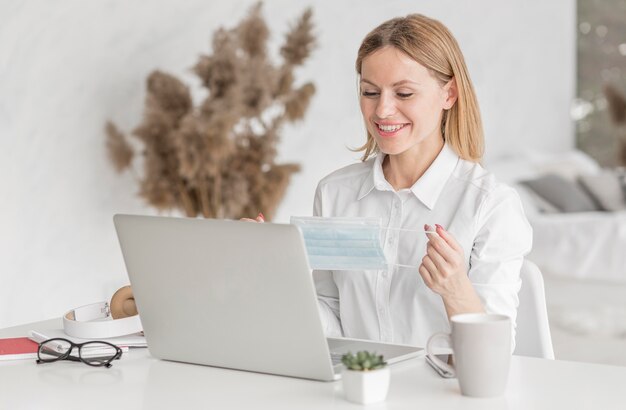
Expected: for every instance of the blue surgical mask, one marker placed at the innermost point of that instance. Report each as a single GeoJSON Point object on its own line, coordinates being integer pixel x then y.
{"type": "Point", "coordinates": [342, 243]}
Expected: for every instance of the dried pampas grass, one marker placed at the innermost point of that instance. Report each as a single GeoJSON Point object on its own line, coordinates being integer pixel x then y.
{"type": "Point", "coordinates": [217, 159]}
{"type": "Point", "coordinates": [120, 151]}
{"type": "Point", "coordinates": [300, 40]}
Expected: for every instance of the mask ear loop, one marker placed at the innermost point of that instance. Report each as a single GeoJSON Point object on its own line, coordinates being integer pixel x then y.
{"type": "Point", "coordinates": [403, 266]}
{"type": "Point", "coordinates": [406, 230]}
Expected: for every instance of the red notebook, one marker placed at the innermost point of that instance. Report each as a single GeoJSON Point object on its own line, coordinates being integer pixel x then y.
{"type": "Point", "coordinates": [18, 348]}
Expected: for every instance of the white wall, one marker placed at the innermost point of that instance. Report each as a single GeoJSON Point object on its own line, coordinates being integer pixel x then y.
{"type": "Point", "coordinates": [68, 65]}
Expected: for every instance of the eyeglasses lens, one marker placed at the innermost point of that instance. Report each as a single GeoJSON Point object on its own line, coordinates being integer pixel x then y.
{"type": "Point", "coordinates": [97, 354]}
{"type": "Point", "coordinates": [54, 349]}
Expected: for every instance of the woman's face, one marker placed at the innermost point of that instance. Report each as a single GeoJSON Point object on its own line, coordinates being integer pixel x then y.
{"type": "Point", "coordinates": [401, 102]}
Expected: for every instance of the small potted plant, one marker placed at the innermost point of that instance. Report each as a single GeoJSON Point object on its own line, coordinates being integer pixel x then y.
{"type": "Point", "coordinates": [365, 377]}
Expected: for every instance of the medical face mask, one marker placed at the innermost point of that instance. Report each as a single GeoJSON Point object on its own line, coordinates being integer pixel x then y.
{"type": "Point", "coordinates": [342, 243]}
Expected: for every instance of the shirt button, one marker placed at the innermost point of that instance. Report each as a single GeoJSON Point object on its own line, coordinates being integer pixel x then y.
{"type": "Point", "coordinates": [385, 274]}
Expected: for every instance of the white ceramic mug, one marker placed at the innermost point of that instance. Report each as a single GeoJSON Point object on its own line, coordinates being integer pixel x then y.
{"type": "Point", "coordinates": [482, 352]}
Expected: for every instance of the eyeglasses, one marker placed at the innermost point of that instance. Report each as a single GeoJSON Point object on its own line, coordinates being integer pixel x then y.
{"type": "Point", "coordinates": [95, 353]}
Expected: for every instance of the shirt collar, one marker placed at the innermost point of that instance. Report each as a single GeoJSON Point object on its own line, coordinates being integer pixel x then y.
{"type": "Point", "coordinates": [376, 178]}
{"type": "Point", "coordinates": [427, 189]}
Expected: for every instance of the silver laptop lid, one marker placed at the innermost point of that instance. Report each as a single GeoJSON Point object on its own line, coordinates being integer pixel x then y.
{"type": "Point", "coordinates": [225, 293]}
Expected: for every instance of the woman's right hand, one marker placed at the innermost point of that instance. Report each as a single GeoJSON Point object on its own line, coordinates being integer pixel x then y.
{"type": "Point", "coordinates": [260, 218]}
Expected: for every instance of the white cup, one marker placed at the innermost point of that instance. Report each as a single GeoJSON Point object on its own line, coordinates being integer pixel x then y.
{"type": "Point", "coordinates": [482, 352]}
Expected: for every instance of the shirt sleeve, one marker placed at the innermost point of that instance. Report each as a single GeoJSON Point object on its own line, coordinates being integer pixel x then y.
{"type": "Point", "coordinates": [325, 287]}
{"type": "Point", "coordinates": [503, 238]}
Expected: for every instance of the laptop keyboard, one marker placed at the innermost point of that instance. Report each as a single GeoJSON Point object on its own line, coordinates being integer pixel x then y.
{"type": "Point", "coordinates": [335, 358]}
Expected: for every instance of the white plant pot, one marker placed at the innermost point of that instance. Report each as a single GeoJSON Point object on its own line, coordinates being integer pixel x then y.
{"type": "Point", "coordinates": [366, 387]}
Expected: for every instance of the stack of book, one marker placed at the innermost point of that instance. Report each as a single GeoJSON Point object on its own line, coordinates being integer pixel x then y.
{"type": "Point", "coordinates": [26, 347]}
{"type": "Point", "coordinates": [18, 348]}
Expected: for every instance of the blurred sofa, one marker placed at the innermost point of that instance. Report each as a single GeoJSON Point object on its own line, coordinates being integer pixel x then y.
{"type": "Point", "coordinates": [582, 253]}
{"type": "Point", "coordinates": [579, 220]}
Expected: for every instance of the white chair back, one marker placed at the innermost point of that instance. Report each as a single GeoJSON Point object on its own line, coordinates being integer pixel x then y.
{"type": "Point", "coordinates": [533, 332]}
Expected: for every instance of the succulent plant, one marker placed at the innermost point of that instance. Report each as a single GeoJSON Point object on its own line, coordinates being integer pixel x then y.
{"type": "Point", "coordinates": [363, 361]}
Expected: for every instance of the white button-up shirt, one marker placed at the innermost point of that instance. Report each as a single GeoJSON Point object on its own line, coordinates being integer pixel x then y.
{"type": "Point", "coordinates": [394, 305]}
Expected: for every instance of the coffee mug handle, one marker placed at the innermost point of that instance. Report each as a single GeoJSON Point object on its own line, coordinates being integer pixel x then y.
{"type": "Point", "coordinates": [435, 359]}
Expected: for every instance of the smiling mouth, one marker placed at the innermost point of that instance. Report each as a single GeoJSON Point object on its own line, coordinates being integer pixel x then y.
{"type": "Point", "coordinates": [390, 129]}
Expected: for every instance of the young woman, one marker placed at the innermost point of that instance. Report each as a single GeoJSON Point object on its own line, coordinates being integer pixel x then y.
{"type": "Point", "coordinates": [420, 172]}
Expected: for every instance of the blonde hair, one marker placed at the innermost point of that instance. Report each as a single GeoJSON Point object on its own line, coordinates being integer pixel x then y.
{"type": "Point", "coordinates": [431, 44]}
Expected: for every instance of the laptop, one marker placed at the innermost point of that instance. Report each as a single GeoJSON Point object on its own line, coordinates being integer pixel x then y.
{"type": "Point", "coordinates": [233, 294]}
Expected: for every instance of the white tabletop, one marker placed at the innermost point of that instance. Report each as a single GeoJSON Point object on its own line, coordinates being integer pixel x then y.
{"type": "Point", "coordinates": [139, 381]}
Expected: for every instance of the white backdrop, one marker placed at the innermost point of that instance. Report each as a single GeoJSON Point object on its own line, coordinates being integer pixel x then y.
{"type": "Point", "coordinates": [68, 65]}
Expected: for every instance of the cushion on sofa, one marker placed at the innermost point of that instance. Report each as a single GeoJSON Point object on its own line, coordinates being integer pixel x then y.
{"type": "Point", "coordinates": [532, 202]}
{"type": "Point", "coordinates": [606, 188]}
{"type": "Point", "coordinates": [569, 164]}
{"type": "Point", "coordinates": [523, 165]}
{"type": "Point", "coordinates": [564, 194]}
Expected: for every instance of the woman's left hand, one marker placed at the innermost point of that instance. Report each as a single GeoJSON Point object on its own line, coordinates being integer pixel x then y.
{"type": "Point", "coordinates": [260, 218]}
{"type": "Point", "coordinates": [443, 266]}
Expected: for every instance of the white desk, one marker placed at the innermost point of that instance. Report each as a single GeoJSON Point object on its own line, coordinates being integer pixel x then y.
{"type": "Point", "coordinates": [140, 381]}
